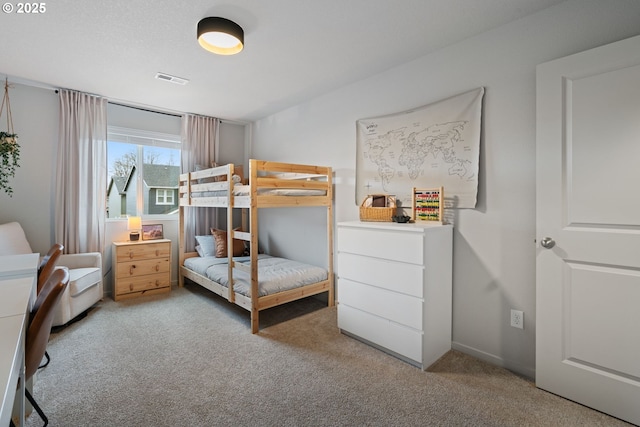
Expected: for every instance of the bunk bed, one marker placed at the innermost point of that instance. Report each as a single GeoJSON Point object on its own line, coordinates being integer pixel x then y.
{"type": "Point", "coordinates": [256, 281]}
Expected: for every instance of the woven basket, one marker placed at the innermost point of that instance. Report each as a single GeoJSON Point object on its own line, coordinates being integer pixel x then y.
{"type": "Point", "coordinates": [377, 214]}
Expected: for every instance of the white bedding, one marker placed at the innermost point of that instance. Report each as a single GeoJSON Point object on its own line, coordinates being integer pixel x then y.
{"type": "Point", "coordinates": [274, 274]}
{"type": "Point", "coordinates": [244, 190]}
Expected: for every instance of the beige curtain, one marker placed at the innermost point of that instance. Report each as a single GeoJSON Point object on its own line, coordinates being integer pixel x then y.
{"type": "Point", "coordinates": [199, 148]}
{"type": "Point", "coordinates": [81, 172]}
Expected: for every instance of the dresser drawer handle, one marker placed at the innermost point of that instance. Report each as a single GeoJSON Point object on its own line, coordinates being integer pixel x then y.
{"type": "Point", "coordinates": [157, 283]}
{"type": "Point", "coordinates": [157, 252]}
{"type": "Point", "coordinates": [131, 269]}
{"type": "Point", "coordinates": [157, 267]}
{"type": "Point", "coordinates": [131, 286]}
{"type": "Point", "coordinates": [130, 254]}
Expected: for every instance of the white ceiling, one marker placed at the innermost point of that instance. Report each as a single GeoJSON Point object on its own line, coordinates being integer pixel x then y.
{"type": "Point", "coordinates": [294, 49]}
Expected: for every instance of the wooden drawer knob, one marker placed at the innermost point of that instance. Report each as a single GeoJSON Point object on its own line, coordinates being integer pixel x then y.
{"type": "Point", "coordinates": [131, 269]}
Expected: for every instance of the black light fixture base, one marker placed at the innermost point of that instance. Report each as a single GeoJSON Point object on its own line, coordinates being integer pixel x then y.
{"type": "Point", "coordinates": [134, 235]}
{"type": "Point", "coordinates": [208, 27]}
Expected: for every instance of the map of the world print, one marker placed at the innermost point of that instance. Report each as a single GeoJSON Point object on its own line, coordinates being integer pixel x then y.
{"type": "Point", "coordinates": [428, 147]}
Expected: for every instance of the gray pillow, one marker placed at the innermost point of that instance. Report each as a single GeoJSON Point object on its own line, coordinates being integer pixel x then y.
{"type": "Point", "coordinates": [207, 245]}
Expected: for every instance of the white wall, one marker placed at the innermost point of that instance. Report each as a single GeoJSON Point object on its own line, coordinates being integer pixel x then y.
{"type": "Point", "coordinates": [494, 249]}
{"type": "Point", "coordinates": [35, 120]}
{"type": "Point", "coordinates": [233, 148]}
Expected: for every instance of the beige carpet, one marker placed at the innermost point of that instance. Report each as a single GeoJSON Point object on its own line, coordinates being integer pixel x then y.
{"type": "Point", "coordinates": [188, 359]}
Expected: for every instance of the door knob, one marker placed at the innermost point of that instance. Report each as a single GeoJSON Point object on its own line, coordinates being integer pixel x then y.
{"type": "Point", "coordinates": [548, 242]}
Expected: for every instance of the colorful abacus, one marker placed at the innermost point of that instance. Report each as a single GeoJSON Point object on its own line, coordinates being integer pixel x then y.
{"type": "Point", "coordinates": [428, 204]}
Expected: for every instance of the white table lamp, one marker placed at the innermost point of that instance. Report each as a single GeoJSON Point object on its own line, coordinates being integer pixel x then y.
{"type": "Point", "coordinates": [134, 224]}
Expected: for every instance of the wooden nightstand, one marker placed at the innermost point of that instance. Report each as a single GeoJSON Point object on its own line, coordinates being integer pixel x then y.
{"type": "Point", "coordinates": [141, 268]}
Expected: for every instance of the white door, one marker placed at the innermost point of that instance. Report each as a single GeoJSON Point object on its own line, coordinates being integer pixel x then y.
{"type": "Point", "coordinates": [588, 228]}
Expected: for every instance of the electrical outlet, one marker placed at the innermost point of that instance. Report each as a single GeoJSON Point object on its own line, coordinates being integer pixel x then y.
{"type": "Point", "coordinates": [517, 319]}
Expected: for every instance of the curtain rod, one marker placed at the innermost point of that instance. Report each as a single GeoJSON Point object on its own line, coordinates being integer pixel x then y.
{"type": "Point", "coordinates": [150, 110]}
{"type": "Point", "coordinates": [171, 114]}
{"type": "Point", "coordinates": [145, 109]}
{"type": "Point", "coordinates": [32, 83]}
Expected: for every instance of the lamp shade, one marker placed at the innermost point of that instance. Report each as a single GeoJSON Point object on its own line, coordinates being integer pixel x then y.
{"type": "Point", "coordinates": [134, 223]}
{"type": "Point", "coordinates": [220, 35]}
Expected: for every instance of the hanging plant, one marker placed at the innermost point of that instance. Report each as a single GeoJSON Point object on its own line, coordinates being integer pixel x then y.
{"type": "Point", "coordinates": [9, 156]}
{"type": "Point", "coordinates": [9, 148]}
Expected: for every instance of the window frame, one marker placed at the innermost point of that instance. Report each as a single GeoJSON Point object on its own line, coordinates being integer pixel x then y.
{"type": "Point", "coordinates": [166, 191]}
{"type": "Point", "coordinates": [140, 139]}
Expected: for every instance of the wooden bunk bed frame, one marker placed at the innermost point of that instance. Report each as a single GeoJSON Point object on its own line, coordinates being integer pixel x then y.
{"type": "Point", "coordinates": [194, 191]}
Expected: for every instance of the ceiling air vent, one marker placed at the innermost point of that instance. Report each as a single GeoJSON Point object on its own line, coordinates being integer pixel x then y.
{"type": "Point", "coordinates": [172, 79]}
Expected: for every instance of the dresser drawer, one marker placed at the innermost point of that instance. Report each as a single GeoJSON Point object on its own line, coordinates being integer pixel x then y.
{"type": "Point", "coordinates": [394, 306]}
{"type": "Point", "coordinates": [399, 339]}
{"type": "Point", "coordinates": [397, 246]}
{"type": "Point", "coordinates": [143, 283]}
{"type": "Point", "coordinates": [395, 276]}
{"type": "Point", "coordinates": [143, 251]}
{"type": "Point", "coordinates": [140, 268]}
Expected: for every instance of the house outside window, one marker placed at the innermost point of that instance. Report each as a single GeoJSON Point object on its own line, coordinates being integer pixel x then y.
{"type": "Point", "coordinates": [143, 170]}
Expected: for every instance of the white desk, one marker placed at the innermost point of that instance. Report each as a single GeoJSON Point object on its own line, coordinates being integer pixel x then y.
{"type": "Point", "coordinates": [16, 266]}
{"type": "Point", "coordinates": [12, 266]}
{"type": "Point", "coordinates": [18, 275]}
{"type": "Point", "coordinates": [11, 364]}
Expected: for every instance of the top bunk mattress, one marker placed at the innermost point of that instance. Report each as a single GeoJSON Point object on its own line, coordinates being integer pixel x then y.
{"type": "Point", "coordinates": [274, 274]}
{"type": "Point", "coordinates": [245, 190]}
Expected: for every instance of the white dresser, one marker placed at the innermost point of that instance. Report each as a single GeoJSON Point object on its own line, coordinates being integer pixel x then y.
{"type": "Point", "coordinates": [394, 287]}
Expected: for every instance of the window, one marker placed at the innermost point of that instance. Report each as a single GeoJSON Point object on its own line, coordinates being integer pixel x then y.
{"type": "Point", "coordinates": [164, 196]}
{"type": "Point", "coordinates": [143, 169]}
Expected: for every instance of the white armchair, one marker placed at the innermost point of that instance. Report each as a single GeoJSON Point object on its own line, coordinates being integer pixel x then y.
{"type": "Point", "coordinates": [85, 270]}
{"type": "Point", "coordinates": [85, 285]}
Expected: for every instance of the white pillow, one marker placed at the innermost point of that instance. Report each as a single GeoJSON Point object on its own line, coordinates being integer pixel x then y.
{"type": "Point", "coordinates": [13, 240]}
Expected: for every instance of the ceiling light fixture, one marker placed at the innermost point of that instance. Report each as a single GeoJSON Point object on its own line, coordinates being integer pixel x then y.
{"type": "Point", "coordinates": [220, 35]}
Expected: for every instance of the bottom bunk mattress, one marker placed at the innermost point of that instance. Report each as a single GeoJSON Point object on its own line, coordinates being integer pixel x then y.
{"type": "Point", "coordinates": [274, 274]}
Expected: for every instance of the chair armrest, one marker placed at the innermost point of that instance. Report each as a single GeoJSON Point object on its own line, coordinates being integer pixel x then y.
{"type": "Point", "coordinates": [89, 259]}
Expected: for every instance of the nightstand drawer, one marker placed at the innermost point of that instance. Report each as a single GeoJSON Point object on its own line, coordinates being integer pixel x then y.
{"type": "Point", "coordinates": [143, 251]}
{"type": "Point", "coordinates": [143, 283]}
{"type": "Point", "coordinates": [140, 268]}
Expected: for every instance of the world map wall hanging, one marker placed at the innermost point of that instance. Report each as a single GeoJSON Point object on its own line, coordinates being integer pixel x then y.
{"type": "Point", "coordinates": [437, 145]}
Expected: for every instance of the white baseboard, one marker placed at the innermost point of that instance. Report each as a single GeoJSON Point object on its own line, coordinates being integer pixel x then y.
{"type": "Point", "coordinates": [529, 373]}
